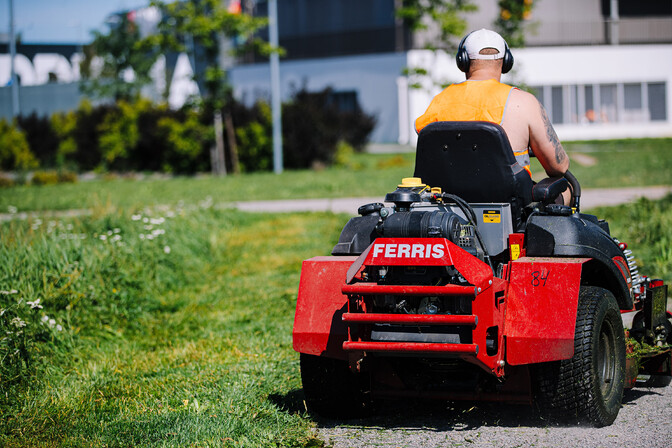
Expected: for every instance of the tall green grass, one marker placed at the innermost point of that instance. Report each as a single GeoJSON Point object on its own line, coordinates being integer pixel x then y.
{"type": "Point", "coordinates": [647, 228]}
{"type": "Point", "coordinates": [169, 329]}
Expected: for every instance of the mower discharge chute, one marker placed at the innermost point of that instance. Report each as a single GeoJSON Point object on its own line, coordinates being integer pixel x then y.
{"type": "Point", "coordinates": [477, 288]}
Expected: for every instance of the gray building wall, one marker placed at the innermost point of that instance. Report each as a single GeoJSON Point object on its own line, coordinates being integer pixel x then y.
{"type": "Point", "coordinates": [43, 99]}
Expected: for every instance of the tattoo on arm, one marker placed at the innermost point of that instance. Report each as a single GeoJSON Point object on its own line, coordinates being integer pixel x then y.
{"type": "Point", "coordinates": [560, 154]}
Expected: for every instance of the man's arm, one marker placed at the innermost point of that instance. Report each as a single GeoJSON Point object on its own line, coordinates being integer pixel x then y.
{"type": "Point", "coordinates": [544, 141]}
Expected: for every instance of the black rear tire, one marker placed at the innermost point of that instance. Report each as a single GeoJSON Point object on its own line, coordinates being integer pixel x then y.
{"type": "Point", "coordinates": [588, 388]}
{"type": "Point", "coordinates": [332, 390]}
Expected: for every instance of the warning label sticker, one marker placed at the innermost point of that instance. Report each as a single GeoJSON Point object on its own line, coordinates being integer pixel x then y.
{"type": "Point", "coordinates": [492, 216]}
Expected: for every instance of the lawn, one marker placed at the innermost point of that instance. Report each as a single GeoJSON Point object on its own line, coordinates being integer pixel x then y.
{"type": "Point", "coordinates": [596, 164]}
{"type": "Point", "coordinates": [170, 325]}
{"type": "Point", "coordinates": [154, 329]}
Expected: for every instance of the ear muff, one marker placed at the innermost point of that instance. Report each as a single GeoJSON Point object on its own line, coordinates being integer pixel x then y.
{"type": "Point", "coordinates": [461, 57]}
{"type": "Point", "coordinates": [463, 61]}
{"type": "Point", "coordinates": [507, 64]}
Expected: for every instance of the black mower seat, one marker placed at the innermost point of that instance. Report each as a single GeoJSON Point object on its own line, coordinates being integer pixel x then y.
{"type": "Point", "coordinates": [473, 160]}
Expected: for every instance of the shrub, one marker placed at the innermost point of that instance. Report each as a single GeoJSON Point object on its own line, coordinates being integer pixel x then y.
{"type": "Point", "coordinates": [184, 140]}
{"type": "Point", "coordinates": [254, 134]}
{"type": "Point", "coordinates": [14, 150]}
{"type": "Point", "coordinates": [6, 181]}
{"type": "Point", "coordinates": [118, 134]}
{"type": "Point", "coordinates": [42, 138]}
{"type": "Point", "coordinates": [52, 177]}
{"type": "Point", "coordinates": [313, 124]}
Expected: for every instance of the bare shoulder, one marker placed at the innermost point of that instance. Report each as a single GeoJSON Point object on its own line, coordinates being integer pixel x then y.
{"type": "Point", "coordinates": [524, 100]}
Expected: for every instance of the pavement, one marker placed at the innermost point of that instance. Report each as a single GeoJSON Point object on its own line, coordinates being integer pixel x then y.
{"type": "Point", "coordinates": [593, 197]}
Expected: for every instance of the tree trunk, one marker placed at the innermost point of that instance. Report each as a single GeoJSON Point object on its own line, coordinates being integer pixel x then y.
{"type": "Point", "coordinates": [219, 165]}
{"type": "Point", "coordinates": [231, 137]}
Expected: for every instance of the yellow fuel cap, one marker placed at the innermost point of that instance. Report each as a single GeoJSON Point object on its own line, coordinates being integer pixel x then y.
{"type": "Point", "coordinates": [411, 182]}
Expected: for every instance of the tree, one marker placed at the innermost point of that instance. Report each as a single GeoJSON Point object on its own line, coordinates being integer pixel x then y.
{"type": "Point", "coordinates": [125, 61]}
{"type": "Point", "coordinates": [446, 14]}
{"type": "Point", "coordinates": [511, 21]}
{"type": "Point", "coordinates": [200, 28]}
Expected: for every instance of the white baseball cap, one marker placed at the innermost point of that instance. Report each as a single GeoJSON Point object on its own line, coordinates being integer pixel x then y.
{"type": "Point", "coordinates": [480, 39]}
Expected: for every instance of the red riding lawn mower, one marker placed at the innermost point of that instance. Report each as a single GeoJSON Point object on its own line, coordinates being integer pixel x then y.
{"type": "Point", "coordinates": [478, 288]}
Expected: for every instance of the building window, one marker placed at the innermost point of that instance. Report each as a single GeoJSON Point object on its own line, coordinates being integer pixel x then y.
{"type": "Point", "coordinates": [557, 109]}
{"type": "Point", "coordinates": [608, 109]}
{"type": "Point", "coordinates": [657, 101]}
{"type": "Point", "coordinates": [604, 103]}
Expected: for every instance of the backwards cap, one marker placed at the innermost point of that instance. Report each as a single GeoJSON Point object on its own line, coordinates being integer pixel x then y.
{"type": "Point", "coordinates": [480, 39]}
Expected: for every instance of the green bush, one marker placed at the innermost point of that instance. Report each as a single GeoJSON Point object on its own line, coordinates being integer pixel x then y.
{"type": "Point", "coordinates": [52, 177]}
{"type": "Point", "coordinates": [254, 135]}
{"type": "Point", "coordinates": [42, 138]}
{"type": "Point", "coordinates": [119, 133]}
{"type": "Point", "coordinates": [185, 141]}
{"type": "Point", "coordinates": [142, 136]}
{"type": "Point", "coordinates": [15, 153]}
{"type": "Point", "coordinates": [313, 125]}
{"type": "Point", "coordinates": [6, 181]}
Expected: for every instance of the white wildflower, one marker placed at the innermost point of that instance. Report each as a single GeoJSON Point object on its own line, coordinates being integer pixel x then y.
{"type": "Point", "coordinates": [59, 328]}
{"type": "Point", "coordinates": [45, 318]}
{"type": "Point", "coordinates": [136, 217]}
{"type": "Point", "coordinates": [157, 221]}
{"type": "Point", "coordinates": [148, 227]}
{"type": "Point", "coordinates": [35, 304]}
{"type": "Point", "coordinates": [12, 210]}
{"type": "Point", "coordinates": [142, 237]}
{"type": "Point", "coordinates": [145, 220]}
{"type": "Point", "coordinates": [103, 237]}
{"type": "Point", "coordinates": [6, 293]}
{"type": "Point", "coordinates": [166, 249]}
{"type": "Point", "coordinates": [17, 322]}
{"type": "Point", "coordinates": [52, 322]}
{"type": "Point", "coordinates": [116, 230]}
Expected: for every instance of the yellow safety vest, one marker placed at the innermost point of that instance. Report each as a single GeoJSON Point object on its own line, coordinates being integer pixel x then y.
{"type": "Point", "coordinates": [472, 101]}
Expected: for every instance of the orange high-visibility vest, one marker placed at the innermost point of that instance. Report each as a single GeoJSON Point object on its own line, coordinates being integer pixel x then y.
{"type": "Point", "coordinates": [472, 101]}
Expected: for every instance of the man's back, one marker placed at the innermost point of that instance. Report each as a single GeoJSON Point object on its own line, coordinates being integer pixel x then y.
{"type": "Point", "coordinates": [527, 125]}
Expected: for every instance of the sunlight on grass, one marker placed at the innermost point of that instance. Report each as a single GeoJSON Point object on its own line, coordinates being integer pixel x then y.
{"type": "Point", "coordinates": [190, 346]}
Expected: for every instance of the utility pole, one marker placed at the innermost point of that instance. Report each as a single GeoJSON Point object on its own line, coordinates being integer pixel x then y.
{"type": "Point", "coordinates": [275, 87]}
{"type": "Point", "coordinates": [16, 111]}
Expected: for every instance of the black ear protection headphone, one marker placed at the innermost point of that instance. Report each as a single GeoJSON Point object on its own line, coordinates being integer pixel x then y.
{"type": "Point", "coordinates": [463, 61]}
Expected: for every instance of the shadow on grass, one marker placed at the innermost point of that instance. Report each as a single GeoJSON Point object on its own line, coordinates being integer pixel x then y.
{"type": "Point", "coordinates": [292, 402]}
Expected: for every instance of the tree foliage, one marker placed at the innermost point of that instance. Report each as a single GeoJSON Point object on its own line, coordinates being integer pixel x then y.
{"type": "Point", "coordinates": [513, 15]}
{"type": "Point", "coordinates": [117, 64]}
{"type": "Point", "coordinates": [15, 153]}
{"type": "Point", "coordinates": [446, 14]}
{"type": "Point", "coordinates": [197, 27]}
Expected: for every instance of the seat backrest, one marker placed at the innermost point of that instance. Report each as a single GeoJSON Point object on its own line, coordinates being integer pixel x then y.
{"type": "Point", "coordinates": [473, 160]}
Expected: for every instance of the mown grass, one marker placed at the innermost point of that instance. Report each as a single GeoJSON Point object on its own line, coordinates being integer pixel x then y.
{"type": "Point", "coordinates": [617, 164]}
{"type": "Point", "coordinates": [183, 339]}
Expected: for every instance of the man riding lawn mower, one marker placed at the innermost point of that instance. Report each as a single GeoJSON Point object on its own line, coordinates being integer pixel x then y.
{"type": "Point", "coordinates": [471, 283]}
